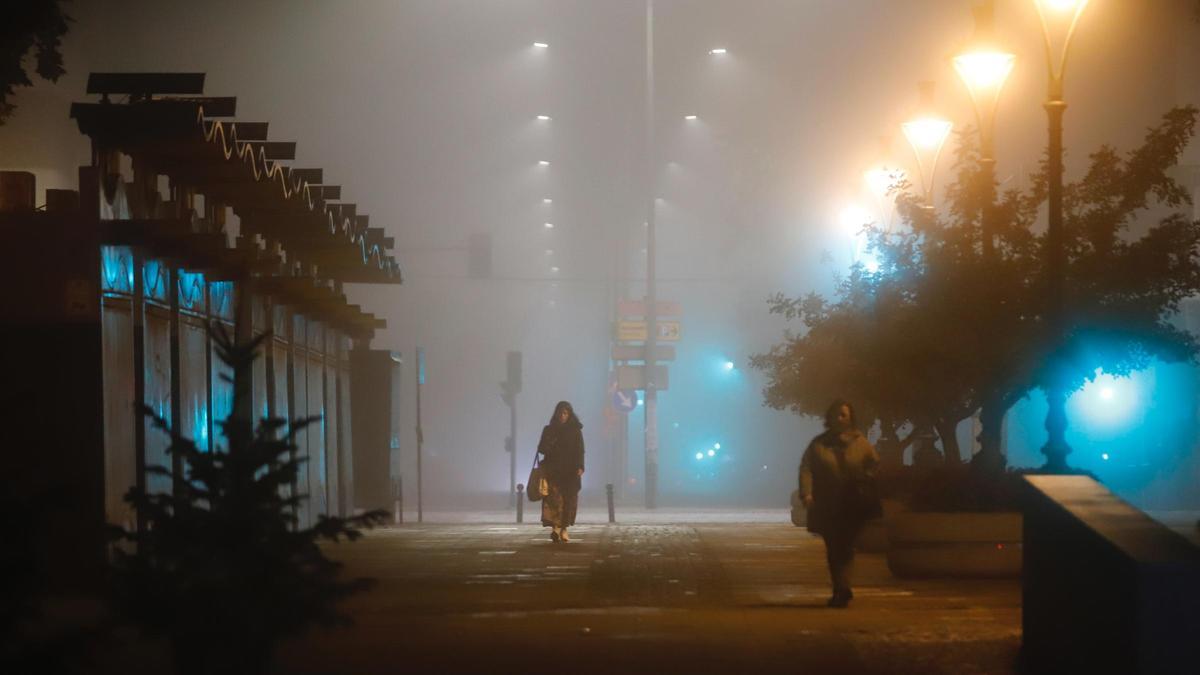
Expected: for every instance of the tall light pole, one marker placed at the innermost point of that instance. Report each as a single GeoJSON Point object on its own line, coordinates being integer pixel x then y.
{"type": "Point", "coordinates": [1059, 21]}
{"type": "Point", "coordinates": [651, 401]}
{"type": "Point", "coordinates": [927, 135]}
{"type": "Point", "coordinates": [984, 70]}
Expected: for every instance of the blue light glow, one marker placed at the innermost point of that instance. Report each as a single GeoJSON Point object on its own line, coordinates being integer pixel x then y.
{"type": "Point", "coordinates": [717, 446]}
{"type": "Point", "coordinates": [699, 455]}
{"type": "Point", "coordinates": [712, 453]}
{"type": "Point", "coordinates": [1108, 404]}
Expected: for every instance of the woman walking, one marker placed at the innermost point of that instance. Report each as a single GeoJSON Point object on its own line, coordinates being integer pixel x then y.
{"type": "Point", "coordinates": [561, 448]}
{"type": "Point", "coordinates": [837, 485]}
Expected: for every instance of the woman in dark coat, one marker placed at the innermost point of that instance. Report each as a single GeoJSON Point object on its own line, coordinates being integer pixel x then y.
{"type": "Point", "coordinates": [561, 448]}
{"type": "Point", "coordinates": [837, 486]}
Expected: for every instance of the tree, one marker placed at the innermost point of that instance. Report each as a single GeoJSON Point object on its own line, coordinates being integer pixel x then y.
{"type": "Point", "coordinates": [943, 330]}
{"type": "Point", "coordinates": [36, 26]}
{"type": "Point", "coordinates": [220, 567]}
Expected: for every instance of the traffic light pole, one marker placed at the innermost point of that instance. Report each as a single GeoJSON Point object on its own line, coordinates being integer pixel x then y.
{"type": "Point", "coordinates": [510, 443]}
{"type": "Point", "coordinates": [651, 402]}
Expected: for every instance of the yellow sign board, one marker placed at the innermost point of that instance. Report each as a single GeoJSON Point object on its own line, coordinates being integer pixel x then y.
{"type": "Point", "coordinates": [635, 331]}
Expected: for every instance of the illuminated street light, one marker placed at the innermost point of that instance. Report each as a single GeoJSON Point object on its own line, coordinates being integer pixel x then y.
{"type": "Point", "coordinates": [718, 51]}
{"type": "Point", "coordinates": [549, 226]}
{"type": "Point", "coordinates": [547, 200]}
{"type": "Point", "coordinates": [543, 118]}
{"type": "Point", "coordinates": [717, 446]}
{"type": "Point", "coordinates": [699, 455]}
{"type": "Point", "coordinates": [882, 181]}
{"type": "Point", "coordinates": [1059, 18]}
{"type": "Point", "coordinates": [541, 45]}
{"type": "Point", "coordinates": [984, 70]}
{"type": "Point", "coordinates": [728, 366]}
{"type": "Point", "coordinates": [712, 453]}
{"type": "Point", "coordinates": [927, 135]}
{"type": "Point", "coordinates": [542, 162]}
{"type": "Point", "coordinates": [689, 117]}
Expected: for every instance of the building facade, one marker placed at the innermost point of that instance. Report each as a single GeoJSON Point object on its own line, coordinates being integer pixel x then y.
{"type": "Point", "coordinates": [185, 221]}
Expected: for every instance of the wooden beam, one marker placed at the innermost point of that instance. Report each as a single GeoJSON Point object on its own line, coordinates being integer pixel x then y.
{"type": "Point", "coordinates": [249, 131]}
{"type": "Point", "coordinates": [275, 150]}
{"type": "Point", "coordinates": [145, 84]}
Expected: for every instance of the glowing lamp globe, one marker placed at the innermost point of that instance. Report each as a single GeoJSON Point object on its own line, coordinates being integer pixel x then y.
{"type": "Point", "coordinates": [927, 133]}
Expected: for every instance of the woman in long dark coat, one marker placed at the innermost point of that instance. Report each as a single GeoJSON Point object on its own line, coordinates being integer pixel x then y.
{"type": "Point", "coordinates": [837, 477]}
{"type": "Point", "coordinates": [561, 448]}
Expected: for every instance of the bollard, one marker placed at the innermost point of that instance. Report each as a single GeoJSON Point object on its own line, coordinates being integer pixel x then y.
{"type": "Point", "coordinates": [520, 503]}
{"type": "Point", "coordinates": [612, 514]}
{"type": "Point", "coordinates": [398, 503]}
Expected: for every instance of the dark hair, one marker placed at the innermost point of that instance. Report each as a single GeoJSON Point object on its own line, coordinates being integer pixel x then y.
{"type": "Point", "coordinates": [558, 411]}
{"type": "Point", "coordinates": [836, 407]}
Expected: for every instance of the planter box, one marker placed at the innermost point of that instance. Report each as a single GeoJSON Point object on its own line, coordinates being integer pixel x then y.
{"type": "Point", "coordinates": [964, 545]}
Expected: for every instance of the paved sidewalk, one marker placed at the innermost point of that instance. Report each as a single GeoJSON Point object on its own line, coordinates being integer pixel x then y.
{"type": "Point", "coordinates": [725, 595]}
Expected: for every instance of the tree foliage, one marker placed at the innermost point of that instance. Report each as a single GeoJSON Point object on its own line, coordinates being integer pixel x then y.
{"type": "Point", "coordinates": [943, 329]}
{"type": "Point", "coordinates": [219, 566]}
{"type": "Point", "coordinates": [29, 28]}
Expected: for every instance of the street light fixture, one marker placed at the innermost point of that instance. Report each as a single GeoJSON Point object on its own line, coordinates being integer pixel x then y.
{"type": "Point", "coordinates": [543, 118]}
{"type": "Point", "coordinates": [718, 51]}
{"type": "Point", "coordinates": [549, 226]}
{"type": "Point", "coordinates": [542, 162]}
{"type": "Point", "coordinates": [881, 181]}
{"type": "Point", "coordinates": [984, 70]}
{"type": "Point", "coordinates": [1059, 20]}
{"type": "Point", "coordinates": [689, 117]}
{"type": "Point", "coordinates": [547, 200]}
{"type": "Point", "coordinates": [541, 45]}
{"type": "Point", "coordinates": [927, 135]}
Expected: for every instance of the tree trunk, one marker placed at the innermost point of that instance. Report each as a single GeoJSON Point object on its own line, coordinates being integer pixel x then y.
{"type": "Point", "coordinates": [948, 431]}
{"type": "Point", "coordinates": [891, 451]}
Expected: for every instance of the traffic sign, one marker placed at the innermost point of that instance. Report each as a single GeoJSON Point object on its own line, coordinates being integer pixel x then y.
{"type": "Point", "coordinates": [636, 331]}
{"type": "Point", "coordinates": [638, 353]}
{"type": "Point", "coordinates": [634, 377]}
{"type": "Point", "coordinates": [638, 308]}
{"type": "Point", "coordinates": [624, 401]}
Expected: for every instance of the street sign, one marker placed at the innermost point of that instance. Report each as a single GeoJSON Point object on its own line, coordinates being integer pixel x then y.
{"type": "Point", "coordinates": [638, 308]}
{"type": "Point", "coordinates": [634, 377]}
{"type": "Point", "coordinates": [638, 353]}
{"type": "Point", "coordinates": [624, 401]}
{"type": "Point", "coordinates": [668, 331]}
{"type": "Point", "coordinates": [635, 331]}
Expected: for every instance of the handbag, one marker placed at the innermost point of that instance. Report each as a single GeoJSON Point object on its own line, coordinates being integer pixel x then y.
{"type": "Point", "coordinates": [537, 486]}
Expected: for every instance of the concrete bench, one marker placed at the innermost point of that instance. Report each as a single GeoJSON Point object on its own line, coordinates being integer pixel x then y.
{"type": "Point", "coordinates": [1106, 589]}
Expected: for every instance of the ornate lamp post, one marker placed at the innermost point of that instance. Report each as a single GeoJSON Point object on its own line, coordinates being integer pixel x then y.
{"type": "Point", "coordinates": [1059, 21]}
{"type": "Point", "coordinates": [984, 69]}
{"type": "Point", "coordinates": [927, 135]}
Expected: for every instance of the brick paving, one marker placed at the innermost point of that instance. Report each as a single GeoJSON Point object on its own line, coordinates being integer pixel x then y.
{"type": "Point", "coordinates": [732, 593]}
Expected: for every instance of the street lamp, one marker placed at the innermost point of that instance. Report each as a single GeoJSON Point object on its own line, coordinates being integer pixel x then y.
{"type": "Point", "coordinates": [984, 70]}
{"type": "Point", "coordinates": [881, 181]}
{"type": "Point", "coordinates": [927, 135]}
{"type": "Point", "coordinates": [1059, 21]}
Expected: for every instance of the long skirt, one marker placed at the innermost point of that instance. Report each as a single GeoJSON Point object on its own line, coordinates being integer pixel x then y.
{"type": "Point", "coordinates": [558, 507]}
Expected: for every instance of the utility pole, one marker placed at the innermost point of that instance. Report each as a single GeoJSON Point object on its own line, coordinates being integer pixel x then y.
{"type": "Point", "coordinates": [651, 403]}
{"type": "Point", "coordinates": [420, 431]}
{"type": "Point", "coordinates": [509, 390]}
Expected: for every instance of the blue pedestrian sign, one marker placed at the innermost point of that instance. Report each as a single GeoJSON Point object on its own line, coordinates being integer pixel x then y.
{"type": "Point", "coordinates": [624, 401]}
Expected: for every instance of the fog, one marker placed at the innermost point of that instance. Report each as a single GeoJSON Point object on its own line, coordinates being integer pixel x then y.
{"type": "Point", "coordinates": [425, 112]}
